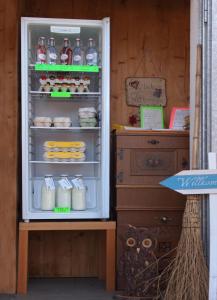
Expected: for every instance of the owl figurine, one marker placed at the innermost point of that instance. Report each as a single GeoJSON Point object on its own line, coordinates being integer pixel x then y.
{"type": "Point", "coordinates": [138, 264]}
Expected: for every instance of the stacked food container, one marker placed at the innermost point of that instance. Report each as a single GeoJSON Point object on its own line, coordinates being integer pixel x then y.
{"type": "Point", "coordinates": [65, 119]}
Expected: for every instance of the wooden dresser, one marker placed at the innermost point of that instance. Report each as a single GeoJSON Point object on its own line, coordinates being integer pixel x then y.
{"type": "Point", "coordinates": [143, 159]}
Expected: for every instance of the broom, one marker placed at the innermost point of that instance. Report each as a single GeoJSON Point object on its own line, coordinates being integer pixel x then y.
{"type": "Point", "coordinates": [189, 275]}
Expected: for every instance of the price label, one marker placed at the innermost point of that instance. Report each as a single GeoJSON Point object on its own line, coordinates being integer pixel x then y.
{"type": "Point", "coordinates": [49, 183]}
{"type": "Point", "coordinates": [65, 183]}
{"type": "Point", "coordinates": [62, 210]}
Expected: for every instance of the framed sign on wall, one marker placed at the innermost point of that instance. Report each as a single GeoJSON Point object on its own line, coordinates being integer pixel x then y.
{"type": "Point", "coordinates": [151, 117]}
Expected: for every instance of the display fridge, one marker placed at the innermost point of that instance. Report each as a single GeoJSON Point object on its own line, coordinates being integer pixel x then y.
{"type": "Point", "coordinates": [65, 76]}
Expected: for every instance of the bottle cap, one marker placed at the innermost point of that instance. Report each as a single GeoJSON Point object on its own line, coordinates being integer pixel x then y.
{"type": "Point", "coordinates": [48, 175]}
{"type": "Point", "coordinates": [64, 175]}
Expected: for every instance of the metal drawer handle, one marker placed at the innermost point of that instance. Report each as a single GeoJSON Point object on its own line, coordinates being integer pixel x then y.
{"type": "Point", "coordinates": [184, 163]}
{"type": "Point", "coordinates": [164, 219]}
{"type": "Point", "coordinates": [153, 142]}
{"type": "Point", "coordinates": [153, 162]}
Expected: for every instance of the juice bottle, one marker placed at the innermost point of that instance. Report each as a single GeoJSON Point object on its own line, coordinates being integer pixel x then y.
{"type": "Point", "coordinates": [41, 51]}
{"type": "Point", "coordinates": [66, 53]}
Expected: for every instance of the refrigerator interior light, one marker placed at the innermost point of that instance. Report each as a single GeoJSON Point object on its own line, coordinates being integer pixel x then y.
{"type": "Point", "coordinates": [66, 30]}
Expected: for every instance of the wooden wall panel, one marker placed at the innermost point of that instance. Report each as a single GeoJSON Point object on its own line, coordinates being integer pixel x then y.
{"type": "Point", "coordinates": [148, 38]}
{"type": "Point", "coordinates": [8, 144]}
{"type": "Point", "coordinates": [63, 254]}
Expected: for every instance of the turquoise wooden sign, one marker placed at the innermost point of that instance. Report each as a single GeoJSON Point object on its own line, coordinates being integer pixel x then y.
{"type": "Point", "coordinates": [193, 182]}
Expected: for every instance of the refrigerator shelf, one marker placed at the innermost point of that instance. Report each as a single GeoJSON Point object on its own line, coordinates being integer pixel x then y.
{"type": "Point", "coordinates": [66, 128]}
{"type": "Point", "coordinates": [63, 162]}
{"type": "Point", "coordinates": [65, 68]}
{"type": "Point", "coordinates": [72, 97]}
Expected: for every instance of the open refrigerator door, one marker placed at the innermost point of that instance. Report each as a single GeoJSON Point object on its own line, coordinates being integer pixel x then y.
{"type": "Point", "coordinates": [65, 118]}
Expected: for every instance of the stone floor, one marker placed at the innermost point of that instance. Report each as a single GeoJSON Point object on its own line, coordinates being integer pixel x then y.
{"type": "Point", "coordinates": [63, 289]}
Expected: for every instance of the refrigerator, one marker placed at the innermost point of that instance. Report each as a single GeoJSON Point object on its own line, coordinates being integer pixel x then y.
{"type": "Point", "coordinates": [65, 117]}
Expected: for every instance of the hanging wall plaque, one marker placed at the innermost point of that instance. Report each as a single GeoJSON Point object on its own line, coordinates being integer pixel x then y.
{"type": "Point", "coordinates": [145, 91]}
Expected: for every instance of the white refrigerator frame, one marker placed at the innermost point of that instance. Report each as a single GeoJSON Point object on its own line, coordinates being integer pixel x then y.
{"type": "Point", "coordinates": [104, 210]}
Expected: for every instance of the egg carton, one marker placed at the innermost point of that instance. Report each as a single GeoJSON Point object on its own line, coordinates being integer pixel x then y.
{"type": "Point", "coordinates": [42, 122]}
{"type": "Point", "coordinates": [64, 156]}
{"type": "Point", "coordinates": [57, 146]}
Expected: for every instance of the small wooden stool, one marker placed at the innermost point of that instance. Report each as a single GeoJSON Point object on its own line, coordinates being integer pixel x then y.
{"type": "Point", "coordinates": [109, 227]}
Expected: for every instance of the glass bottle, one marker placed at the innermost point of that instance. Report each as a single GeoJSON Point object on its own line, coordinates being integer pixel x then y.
{"type": "Point", "coordinates": [78, 53]}
{"type": "Point", "coordinates": [41, 51]}
{"type": "Point", "coordinates": [51, 52]}
{"type": "Point", "coordinates": [91, 54]}
{"type": "Point", "coordinates": [48, 193]}
{"type": "Point", "coordinates": [63, 194]}
{"type": "Point", "coordinates": [66, 53]}
{"type": "Point", "coordinates": [78, 193]}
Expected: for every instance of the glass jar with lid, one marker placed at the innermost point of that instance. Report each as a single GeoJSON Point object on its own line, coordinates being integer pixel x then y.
{"type": "Point", "coordinates": [78, 193]}
{"type": "Point", "coordinates": [64, 192]}
{"type": "Point", "coordinates": [48, 193]}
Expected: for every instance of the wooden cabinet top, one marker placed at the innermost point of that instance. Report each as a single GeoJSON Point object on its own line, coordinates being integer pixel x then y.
{"type": "Point", "coordinates": [171, 133]}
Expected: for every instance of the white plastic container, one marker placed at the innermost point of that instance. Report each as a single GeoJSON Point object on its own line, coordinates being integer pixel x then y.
{"type": "Point", "coordinates": [42, 121]}
{"type": "Point", "coordinates": [48, 193]}
{"type": "Point", "coordinates": [78, 193]}
{"type": "Point", "coordinates": [62, 122]}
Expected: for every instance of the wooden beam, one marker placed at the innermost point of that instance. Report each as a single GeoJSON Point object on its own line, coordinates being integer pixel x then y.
{"type": "Point", "coordinates": [8, 144]}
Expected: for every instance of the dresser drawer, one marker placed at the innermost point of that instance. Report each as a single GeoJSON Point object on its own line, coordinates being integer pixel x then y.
{"type": "Point", "coordinates": [150, 218]}
{"type": "Point", "coordinates": [149, 198]}
{"type": "Point", "coordinates": [148, 166]}
{"type": "Point", "coordinates": [145, 166]}
{"type": "Point", "coordinates": [152, 141]}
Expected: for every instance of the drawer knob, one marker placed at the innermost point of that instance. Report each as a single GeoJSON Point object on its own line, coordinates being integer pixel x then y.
{"type": "Point", "coordinates": [164, 219]}
{"type": "Point", "coordinates": [153, 142]}
{"type": "Point", "coordinates": [153, 162]}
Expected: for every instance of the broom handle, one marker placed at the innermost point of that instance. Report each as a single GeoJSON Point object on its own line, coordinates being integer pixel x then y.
{"type": "Point", "coordinates": [195, 146]}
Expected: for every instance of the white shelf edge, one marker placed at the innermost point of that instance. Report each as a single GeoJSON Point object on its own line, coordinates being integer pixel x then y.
{"type": "Point", "coordinates": [33, 65]}
{"type": "Point", "coordinates": [76, 93]}
{"type": "Point", "coordinates": [63, 162]}
{"type": "Point", "coordinates": [65, 128]}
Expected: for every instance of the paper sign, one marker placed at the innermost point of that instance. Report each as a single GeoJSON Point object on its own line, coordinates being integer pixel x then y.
{"type": "Point", "coordinates": [49, 183]}
{"type": "Point", "coordinates": [145, 91]}
{"type": "Point", "coordinates": [77, 183]}
{"type": "Point", "coordinates": [67, 30]}
{"type": "Point", "coordinates": [177, 119]}
{"type": "Point", "coordinates": [151, 117]}
{"type": "Point", "coordinates": [65, 183]}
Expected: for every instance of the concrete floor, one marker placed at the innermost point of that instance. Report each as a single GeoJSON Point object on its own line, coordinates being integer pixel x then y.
{"type": "Point", "coordinates": [63, 289]}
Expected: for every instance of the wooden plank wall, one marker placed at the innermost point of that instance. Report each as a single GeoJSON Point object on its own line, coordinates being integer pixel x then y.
{"type": "Point", "coordinates": [8, 144]}
{"type": "Point", "coordinates": [148, 38]}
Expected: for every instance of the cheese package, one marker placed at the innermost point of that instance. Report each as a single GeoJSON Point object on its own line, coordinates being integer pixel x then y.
{"type": "Point", "coordinates": [57, 146]}
{"type": "Point", "coordinates": [64, 156]}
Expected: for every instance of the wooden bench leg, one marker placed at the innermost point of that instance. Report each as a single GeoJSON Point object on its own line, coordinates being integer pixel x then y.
{"type": "Point", "coordinates": [22, 262]}
{"type": "Point", "coordinates": [110, 260]}
{"type": "Point", "coordinates": [101, 254]}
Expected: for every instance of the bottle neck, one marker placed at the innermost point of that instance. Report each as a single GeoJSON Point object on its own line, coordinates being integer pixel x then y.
{"type": "Point", "coordinates": [66, 44]}
{"type": "Point", "coordinates": [90, 44]}
{"type": "Point", "coordinates": [52, 43]}
{"type": "Point", "coordinates": [77, 43]}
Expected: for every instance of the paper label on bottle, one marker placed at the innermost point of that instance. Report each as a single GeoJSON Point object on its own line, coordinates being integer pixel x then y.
{"type": "Point", "coordinates": [90, 56]}
{"type": "Point", "coordinates": [77, 183]}
{"type": "Point", "coordinates": [65, 183]}
{"type": "Point", "coordinates": [64, 56]}
{"type": "Point", "coordinates": [53, 56]}
{"type": "Point", "coordinates": [77, 58]}
{"type": "Point", "coordinates": [41, 56]}
{"type": "Point", "coordinates": [49, 183]}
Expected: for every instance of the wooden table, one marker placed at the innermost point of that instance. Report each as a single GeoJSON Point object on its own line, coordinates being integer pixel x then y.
{"type": "Point", "coordinates": [106, 260]}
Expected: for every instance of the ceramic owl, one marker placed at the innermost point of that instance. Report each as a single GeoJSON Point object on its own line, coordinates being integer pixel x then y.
{"type": "Point", "coordinates": [138, 264]}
